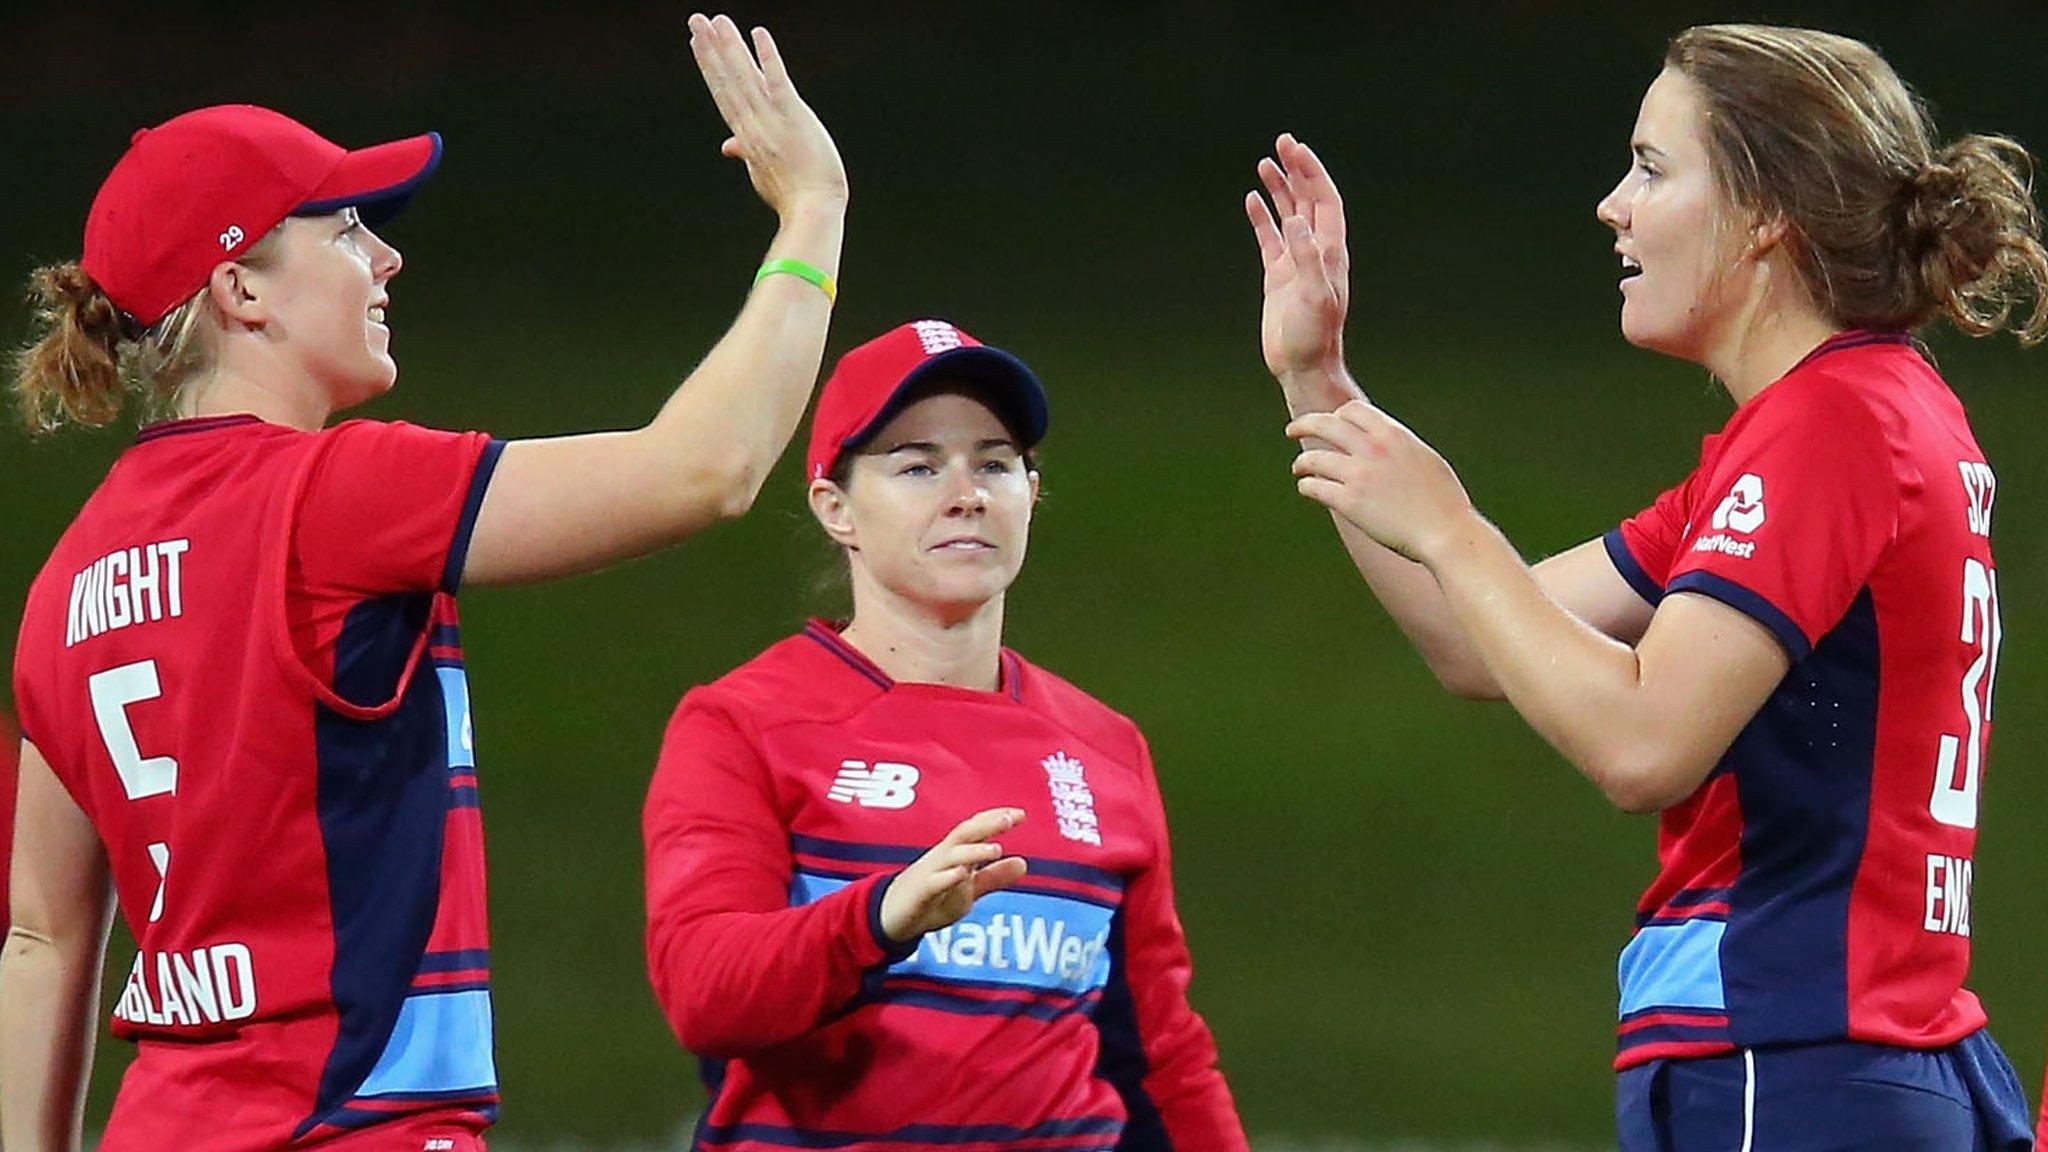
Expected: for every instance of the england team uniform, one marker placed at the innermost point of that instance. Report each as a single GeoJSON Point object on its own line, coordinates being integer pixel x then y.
{"type": "Point", "coordinates": [1053, 1016]}
{"type": "Point", "coordinates": [1810, 921]}
{"type": "Point", "coordinates": [242, 663]}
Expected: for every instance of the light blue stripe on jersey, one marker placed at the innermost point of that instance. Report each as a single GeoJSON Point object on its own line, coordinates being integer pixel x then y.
{"type": "Point", "coordinates": [1673, 966]}
{"type": "Point", "coordinates": [442, 1043]}
{"type": "Point", "coordinates": [1018, 939]}
{"type": "Point", "coordinates": [455, 698]}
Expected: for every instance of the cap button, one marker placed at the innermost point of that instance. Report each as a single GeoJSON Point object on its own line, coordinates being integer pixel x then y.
{"type": "Point", "coordinates": [137, 138]}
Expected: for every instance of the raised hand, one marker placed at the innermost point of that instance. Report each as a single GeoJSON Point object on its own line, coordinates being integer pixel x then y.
{"type": "Point", "coordinates": [1308, 268]}
{"type": "Point", "coordinates": [789, 156]}
{"type": "Point", "coordinates": [940, 886]}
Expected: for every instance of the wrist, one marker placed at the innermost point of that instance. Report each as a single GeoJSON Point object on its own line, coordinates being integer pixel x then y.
{"type": "Point", "coordinates": [815, 206]}
{"type": "Point", "coordinates": [1322, 387]}
{"type": "Point", "coordinates": [1457, 540]}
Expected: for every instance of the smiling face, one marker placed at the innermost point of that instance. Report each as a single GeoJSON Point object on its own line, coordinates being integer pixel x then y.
{"type": "Point", "coordinates": [323, 300]}
{"type": "Point", "coordinates": [936, 507]}
{"type": "Point", "coordinates": [1678, 239]}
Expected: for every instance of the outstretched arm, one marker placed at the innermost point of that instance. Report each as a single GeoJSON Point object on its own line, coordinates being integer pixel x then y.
{"type": "Point", "coordinates": [50, 969]}
{"type": "Point", "coordinates": [1301, 238]}
{"type": "Point", "coordinates": [559, 507]}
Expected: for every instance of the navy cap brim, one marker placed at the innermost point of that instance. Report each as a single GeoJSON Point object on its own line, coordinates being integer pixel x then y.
{"type": "Point", "coordinates": [377, 181]}
{"type": "Point", "coordinates": [1011, 388]}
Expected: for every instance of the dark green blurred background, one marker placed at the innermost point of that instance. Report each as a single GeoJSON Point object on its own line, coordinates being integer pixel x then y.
{"type": "Point", "coordinates": [1405, 910]}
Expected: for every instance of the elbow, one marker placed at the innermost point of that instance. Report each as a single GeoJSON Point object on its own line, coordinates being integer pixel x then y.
{"type": "Point", "coordinates": [1464, 681]}
{"type": "Point", "coordinates": [1642, 782]}
{"type": "Point", "coordinates": [723, 488]}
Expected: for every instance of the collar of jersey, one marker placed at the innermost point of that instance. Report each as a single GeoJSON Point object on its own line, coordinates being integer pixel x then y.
{"type": "Point", "coordinates": [826, 635]}
{"type": "Point", "coordinates": [165, 428]}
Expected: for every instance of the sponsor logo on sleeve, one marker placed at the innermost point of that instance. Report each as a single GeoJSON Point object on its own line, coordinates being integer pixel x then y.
{"type": "Point", "coordinates": [1740, 513]}
{"type": "Point", "coordinates": [879, 785]}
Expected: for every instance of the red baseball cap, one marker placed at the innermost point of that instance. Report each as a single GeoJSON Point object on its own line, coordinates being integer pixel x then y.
{"type": "Point", "coordinates": [866, 387]}
{"type": "Point", "coordinates": [203, 187]}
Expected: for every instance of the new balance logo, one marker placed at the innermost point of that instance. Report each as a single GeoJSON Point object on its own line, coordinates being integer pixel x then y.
{"type": "Point", "coordinates": [1743, 510]}
{"type": "Point", "coordinates": [881, 785]}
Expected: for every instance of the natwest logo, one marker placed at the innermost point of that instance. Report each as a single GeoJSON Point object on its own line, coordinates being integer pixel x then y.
{"type": "Point", "coordinates": [880, 785]}
{"type": "Point", "coordinates": [1743, 510]}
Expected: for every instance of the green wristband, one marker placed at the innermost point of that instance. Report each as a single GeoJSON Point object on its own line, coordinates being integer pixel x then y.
{"type": "Point", "coordinates": [801, 271]}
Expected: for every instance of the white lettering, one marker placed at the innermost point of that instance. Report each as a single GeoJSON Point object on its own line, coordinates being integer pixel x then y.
{"type": "Point", "coordinates": [1948, 895]}
{"type": "Point", "coordinates": [1981, 488]}
{"type": "Point", "coordinates": [211, 985]}
{"type": "Point", "coordinates": [1725, 544]}
{"type": "Point", "coordinates": [125, 587]}
{"type": "Point", "coordinates": [970, 944]}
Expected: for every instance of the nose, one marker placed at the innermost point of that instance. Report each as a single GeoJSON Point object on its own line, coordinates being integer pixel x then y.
{"type": "Point", "coordinates": [967, 495]}
{"type": "Point", "coordinates": [385, 260]}
{"type": "Point", "coordinates": [1612, 210]}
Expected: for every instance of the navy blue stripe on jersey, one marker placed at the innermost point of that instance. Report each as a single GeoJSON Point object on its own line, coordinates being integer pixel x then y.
{"type": "Point", "coordinates": [785, 1137]}
{"type": "Point", "coordinates": [1121, 1058]}
{"type": "Point", "coordinates": [1625, 563]}
{"type": "Point", "coordinates": [458, 548]}
{"type": "Point", "coordinates": [845, 850]}
{"type": "Point", "coordinates": [382, 803]}
{"type": "Point", "coordinates": [355, 1118]}
{"type": "Point", "coordinates": [1854, 338]}
{"type": "Point", "coordinates": [829, 640]}
{"type": "Point", "coordinates": [194, 424]}
{"type": "Point", "coordinates": [1749, 604]}
{"type": "Point", "coordinates": [1036, 1006]}
{"type": "Point", "coordinates": [464, 796]}
{"type": "Point", "coordinates": [1805, 817]}
{"type": "Point", "coordinates": [459, 961]}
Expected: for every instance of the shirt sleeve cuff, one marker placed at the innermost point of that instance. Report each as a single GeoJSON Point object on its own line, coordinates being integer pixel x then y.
{"type": "Point", "coordinates": [1749, 604]}
{"type": "Point", "coordinates": [1625, 563]}
{"type": "Point", "coordinates": [889, 949]}
{"type": "Point", "coordinates": [458, 548]}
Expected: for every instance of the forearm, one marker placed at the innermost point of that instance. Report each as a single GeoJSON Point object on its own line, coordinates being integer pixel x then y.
{"type": "Point", "coordinates": [733, 982]}
{"type": "Point", "coordinates": [742, 404]}
{"type": "Point", "coordinates": [49, 997]}
{"type": "Point", "coordinates": [1581, 690]}
{"type": "Point", "coordinates": [1404, 588]}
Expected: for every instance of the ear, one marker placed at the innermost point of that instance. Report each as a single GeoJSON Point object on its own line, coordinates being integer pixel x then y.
{"type": "Point", "coordinates": [1032, 477]}
{"type": "Point", "coordinates": [236, 292]}
{"type": "Point", "coordinates": [834, 513]}
{"type": "Point", "coordinates": [1767, 235]}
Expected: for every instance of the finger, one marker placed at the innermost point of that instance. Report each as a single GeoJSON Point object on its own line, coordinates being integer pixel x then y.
{"type": "Point", "coordinates": [1275, 182]}
{"type": "Point", "coordinates": [1264, 228]}
{"type": "Point", "coordinates": [1313, 181]}
{"type": "Point", "coordinates": [1332, 429]}
{"type": "Point", "coordinates": [984, 824]}
{"type": "Point", "coordinates": [1321, 462]}
{"type": "Point", "coordinates": [714, 66]}
{"type": "Point", "coordinates": [1328, 493]}
{"type": "Point", "coordinates": [1361, 414]}
{"type": "Point", "coordinates": [1308, 260]}
{"type": "Point", "coordinates": [748, 85]}
{"type": "Point", "coordinates": [773, 70]}
{"type": "Point", "coordinates": [999, 875]}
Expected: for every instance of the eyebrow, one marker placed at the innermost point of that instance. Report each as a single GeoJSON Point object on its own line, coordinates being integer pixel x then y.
{"type": "Point", "coordinates": [933, 448]}
{"type": "Point", "coordinates": [1646, 151]}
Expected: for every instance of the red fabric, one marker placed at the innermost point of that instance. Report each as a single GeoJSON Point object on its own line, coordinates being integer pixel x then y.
{"type": "Point", "coordinates": [1850, 494]}
{"type": "Point", "coordinates": [791, 791]}
{"type": "Point", "coordinates": [244, 547]}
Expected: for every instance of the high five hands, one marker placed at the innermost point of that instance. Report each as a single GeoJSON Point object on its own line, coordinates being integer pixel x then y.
{"type": "Point", "coordinates": [1356, 460]}
{"type": "Point", "coordinates": [789, 155]}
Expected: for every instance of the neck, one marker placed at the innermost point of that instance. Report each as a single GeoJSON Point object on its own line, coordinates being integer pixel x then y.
{"type": "Point", "coordinates": [230, 388]}
{"type": "Point", "coordinates": [918, 644]}
{"type": "Point", "coordinates": [1766, 336]}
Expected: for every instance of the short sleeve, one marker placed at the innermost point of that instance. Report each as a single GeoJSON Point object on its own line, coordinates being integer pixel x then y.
{"type": "Point", "coordinates": [1643, 546]}
{"type": "Point", "coordinates": [388, 507]}
{"type": "Point", "coordinates": [1794, 514]}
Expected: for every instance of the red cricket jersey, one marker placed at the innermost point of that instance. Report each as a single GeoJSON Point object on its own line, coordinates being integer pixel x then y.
{"type": "Point", "coordinates": [10, 752]}
{"type": "Point", "coordinates": [241, 660]}
{"type": "Point", "coordinates": [1054, 1016]}
{"type": "Point", "coordinates": [1817, 886]}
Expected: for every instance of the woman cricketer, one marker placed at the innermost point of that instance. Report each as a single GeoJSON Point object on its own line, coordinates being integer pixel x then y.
{"type": "Point", "coordinates": [1789, 654]}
